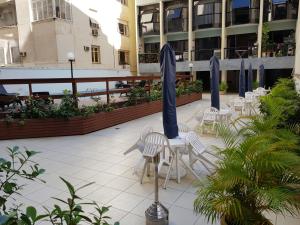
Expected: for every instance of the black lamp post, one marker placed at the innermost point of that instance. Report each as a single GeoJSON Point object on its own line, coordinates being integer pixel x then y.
{"type": "Point", "coordinates": [71, 59]}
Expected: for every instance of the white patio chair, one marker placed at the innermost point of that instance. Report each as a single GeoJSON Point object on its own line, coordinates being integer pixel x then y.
{"type": "Point", "coordinates": [183, 128]}
{"type": "Point", "coordinates": [156, 143]}
{"type": "Point", "coordinates": [225, 114]}
{"type": "Point", "coordinates": [209, 119]}
{"type": "Point", "coordinates": [197, 153]}
{"type": "Point", "coordinates": [139, 145]}
{"type": "Point", "coordinates": [239, 105]}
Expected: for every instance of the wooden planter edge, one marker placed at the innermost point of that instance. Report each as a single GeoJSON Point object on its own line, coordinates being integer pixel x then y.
{"type": "Point", "coordinates": [52, 127]}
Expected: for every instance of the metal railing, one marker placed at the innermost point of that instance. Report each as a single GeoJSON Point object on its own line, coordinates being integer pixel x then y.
{"type": "Point", "coordinates": [204, 54]}
{"type": "Point", "coordinates": [148, 57]}
{"type": "Point", "coordinates": [176, 25]}
{"type": "Point", "coordinates": [242, 16]}
{"type": "Point", "coordinates": [149, 28]}
{"type": "Point", "coordinates": [240, 52]}
{"type": "Point", "coordinates": [207, 21]}
{"type": "Point", "coordinates": [132, 80]}
{"type": "Point", "coordinates": [279, 50]}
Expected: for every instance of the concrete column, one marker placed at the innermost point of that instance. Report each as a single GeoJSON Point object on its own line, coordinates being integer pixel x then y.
{"type": "Point", "coordinates": [190, 30]}
{"type": "Point", "coordinates": [297, 57]}
{"type": "Point", "coordinates": [137, 36]}
{"type": "Point", "coordinates": [260, 27]}
{"type": "Point", "coordinates": [223, 39]}
{"type": "Point", "coordinates": [161, 24]}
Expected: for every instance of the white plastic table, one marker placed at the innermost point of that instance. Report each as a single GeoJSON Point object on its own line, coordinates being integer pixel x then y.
{"type": "Point", "coordinates": [178, 144]}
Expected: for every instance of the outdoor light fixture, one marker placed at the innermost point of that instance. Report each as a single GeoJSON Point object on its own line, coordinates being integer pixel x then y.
{"type": "Point", "coordinates": [71, 58]}
{"type": "Point", "coordinates": [191, 65]}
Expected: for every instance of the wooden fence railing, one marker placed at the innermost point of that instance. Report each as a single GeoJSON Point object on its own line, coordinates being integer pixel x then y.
{"type": "Point", "coordinates": [132, 80]}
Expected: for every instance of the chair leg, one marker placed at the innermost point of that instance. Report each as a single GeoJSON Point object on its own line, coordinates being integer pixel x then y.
{"type": "Point", "coordinates": [133, 147]}
{"type": "Point", "coordinates": [143, 173]}
{"type": "Point", "coordinates": [168, 173]}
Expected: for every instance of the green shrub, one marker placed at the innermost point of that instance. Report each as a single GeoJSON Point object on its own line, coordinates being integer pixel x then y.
{"type": "Point", "coordinates": [223, 86]}
{"type": "Point", "coordinates": [282, 103]}
{"type": "Point", "coordinates": [259, 174]}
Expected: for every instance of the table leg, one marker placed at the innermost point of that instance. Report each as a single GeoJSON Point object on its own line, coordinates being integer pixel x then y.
{"type": "Point", "coordinates": [177, 166]}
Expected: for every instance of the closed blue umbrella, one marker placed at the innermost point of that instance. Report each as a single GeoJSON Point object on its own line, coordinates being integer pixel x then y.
{"type": "Point", "coordinates": [261, 76]}
{"type": "Point", "coordinates": [214, 82]}
{"type": "Point", "coordinates": [168, 72]}
{"type": "Point", "coordinates": [250, 78]}
{"type": "Point", "coordinates": [242, 80]}
{"type": "Point", "coordinates": [2, 90]}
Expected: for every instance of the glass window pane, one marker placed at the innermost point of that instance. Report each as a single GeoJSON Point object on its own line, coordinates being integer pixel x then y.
{"type": "Point", "coordinates": [50, 8]}
{"type": "Point", "coordinates": [15, 55]}
{"type": "Point", "coordinates": [57, 8]}
{"type": "Point", "coordinates": [68, 11]}
{"type": "Point", "coordinates": [39, 10]}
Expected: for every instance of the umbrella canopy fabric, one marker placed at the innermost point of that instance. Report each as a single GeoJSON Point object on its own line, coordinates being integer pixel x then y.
{"type": "Point", "coordinates": [250, 78]}
{"type": "Point", "coordinates": [2, 90]}
{"type": "Point", "coordinates": [168, 72]}
{"type": "Point", "coordinates": [242, 80]}
{"type": "Point", "coordinates": [261, 76]}
{"type": "Point", "coordinates": [214, 82]}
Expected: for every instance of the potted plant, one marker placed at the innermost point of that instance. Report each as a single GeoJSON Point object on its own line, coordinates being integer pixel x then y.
{"type": "Point", "coordinates": [223, 88]}
{"type": "Point", "coordinates": [259, 174]}
{"type": "Point", "coordinates": [265, 42]}
{"type": "Point", "coordinates": [255, 84]}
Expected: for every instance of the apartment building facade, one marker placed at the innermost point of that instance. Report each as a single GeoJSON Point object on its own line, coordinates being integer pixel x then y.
{"type": "Point", "coordinates": [37, 35]}
{"type": "Point", "coordinates": [260, 31]}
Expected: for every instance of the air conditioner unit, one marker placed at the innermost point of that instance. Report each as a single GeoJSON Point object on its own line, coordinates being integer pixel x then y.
{"type": "Point", "coordinates": [86, 48]}
{"type": "Point", "coordinates": [217, 53]}
{"type": "Point", "coordinates": [95, 32]}
{"type": "Point", "coordinates": [23, 54]}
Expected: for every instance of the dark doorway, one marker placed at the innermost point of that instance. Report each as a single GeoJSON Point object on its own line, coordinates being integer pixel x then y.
{"type": "Point", "coordinates": [204, 76]}
{"type": "Point", "coordinates": [272, 76]}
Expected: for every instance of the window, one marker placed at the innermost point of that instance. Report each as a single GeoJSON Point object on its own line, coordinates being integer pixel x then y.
{"type": "Point", "coordinates": [123, 57]}
{"type": "Point", "coordinates": [45, 9]}
{"type": "Point", "coordinates": [15, 55]}
{"type": "Point", "coordinates": [123, 2]}
{"type": "Point", "coordinates": [123, 29]}
{"type": "Point", "coordinates": [94, 24]}
{"type": "Point", "coordinates": [96, 54]}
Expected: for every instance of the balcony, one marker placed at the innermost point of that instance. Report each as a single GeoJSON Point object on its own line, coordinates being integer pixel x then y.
{"type": "Point", "coordinates": [176, 25]}
{"type": "Point", "coordinates": [279, 50]}
{"type": "Point", "coordinates": [240, 52]}
{"type": "Point", "coordinates": [149, 28]}
{"type": "Point", "coordinates": [149, 22]}
{"type": "Point", "coordinates": [283, 9]}
{"type": "Point", "coordinates": [206, 54]}
{"type": "Point", "coordinates": [242, 16]}
{"type": "Point", "coordinates": [148, 57]}
{"type": "Point", "coordinates": [207, 15]}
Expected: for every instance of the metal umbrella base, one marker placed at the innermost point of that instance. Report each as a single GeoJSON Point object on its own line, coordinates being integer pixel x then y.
{"type": "Point", "coordinates": [157, 214]}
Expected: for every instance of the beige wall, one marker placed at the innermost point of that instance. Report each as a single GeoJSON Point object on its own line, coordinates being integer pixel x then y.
{"type": "Point", "coordinates": [47, 42]}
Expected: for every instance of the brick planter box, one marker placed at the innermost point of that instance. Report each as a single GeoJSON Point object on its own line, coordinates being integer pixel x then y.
{"type": "Point", "coordinates": [79, 125]}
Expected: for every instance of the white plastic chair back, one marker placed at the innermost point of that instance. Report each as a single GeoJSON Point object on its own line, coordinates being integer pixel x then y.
{"type": "Point", "coordinates": [195, 142]}
{"type": "Point", "coordinates": [238, 102]}
{"type": "Point", "coordinates": [210, 114]}
{"type": "Point", "coordinates": [183, 128]}
{"type": "Point", "coordinates": [249, 95]}
{"type": "Point", "coordinates": [154, 144]}
{"type": "Point", "coordinates": [145, 132]}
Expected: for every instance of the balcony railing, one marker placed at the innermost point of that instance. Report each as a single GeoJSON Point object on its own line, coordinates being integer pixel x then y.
{"type": "Point", "coordinates": [240, 52]}
{"type": "Point", "coordinates": [279, 50]}
{"type": "Point", "coordinates": [151, 28]}
{"type": "Point", "coordinates": [176, 25]}
{"type": "Point", "coordinates": [149, 57]}
{"type": "Point", "coordinates": [242, 16]}
{"type": "Point", "coordinates": [207, 20]}
{"type": "Point", "coordinates": [203, 54]}
{"type": "Point", "coordinates": [180, 56]}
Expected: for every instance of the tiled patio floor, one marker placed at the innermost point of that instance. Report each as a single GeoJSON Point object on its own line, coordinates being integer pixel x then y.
{"type": "Point", "coordinates": [99, 157]}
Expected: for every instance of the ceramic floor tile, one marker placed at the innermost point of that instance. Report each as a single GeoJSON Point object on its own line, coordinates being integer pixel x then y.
{"type": "Point", "coordinates": [140, 209]}
{"type": "Point", "coordinates": [181, 216]}
{"type": "Point", "coordinates": [186, 200]}
{"type": "Point", "coordinates": [132, 219]}
{"type": "Point", "coordinates": [167, 195]}
{"type": "Point", "coordinates": [120, 183]}
{"type": "Point", "coordinates": [103, 195]}
{"type": "Point", "coordinates": [126, 201]}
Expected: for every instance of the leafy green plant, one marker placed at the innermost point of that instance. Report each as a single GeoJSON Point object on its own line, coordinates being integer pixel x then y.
{"type": "Point", "coordinates": [19, 165]}
{"type": "Point", "coordinates": [283, 102]}
{"type": "Point", "coordinates": [36, 107]}
{"type": "Point", "coordinates": [67, 107]}
{"type": "Point", "coordinates": [265, 37]}
{"type": "Point", "coordinates": [255, 84]}
{"type": "Point", "coordinates": [197, 86]}
{"type": "Point", "coordinates": [259, 173]}
{"type": "Point", "coordinates": [71, 212]}
{"type": "Point", "coordinates": [136, 94]}
{"type": "Point", "coordinates": [223, 86]}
